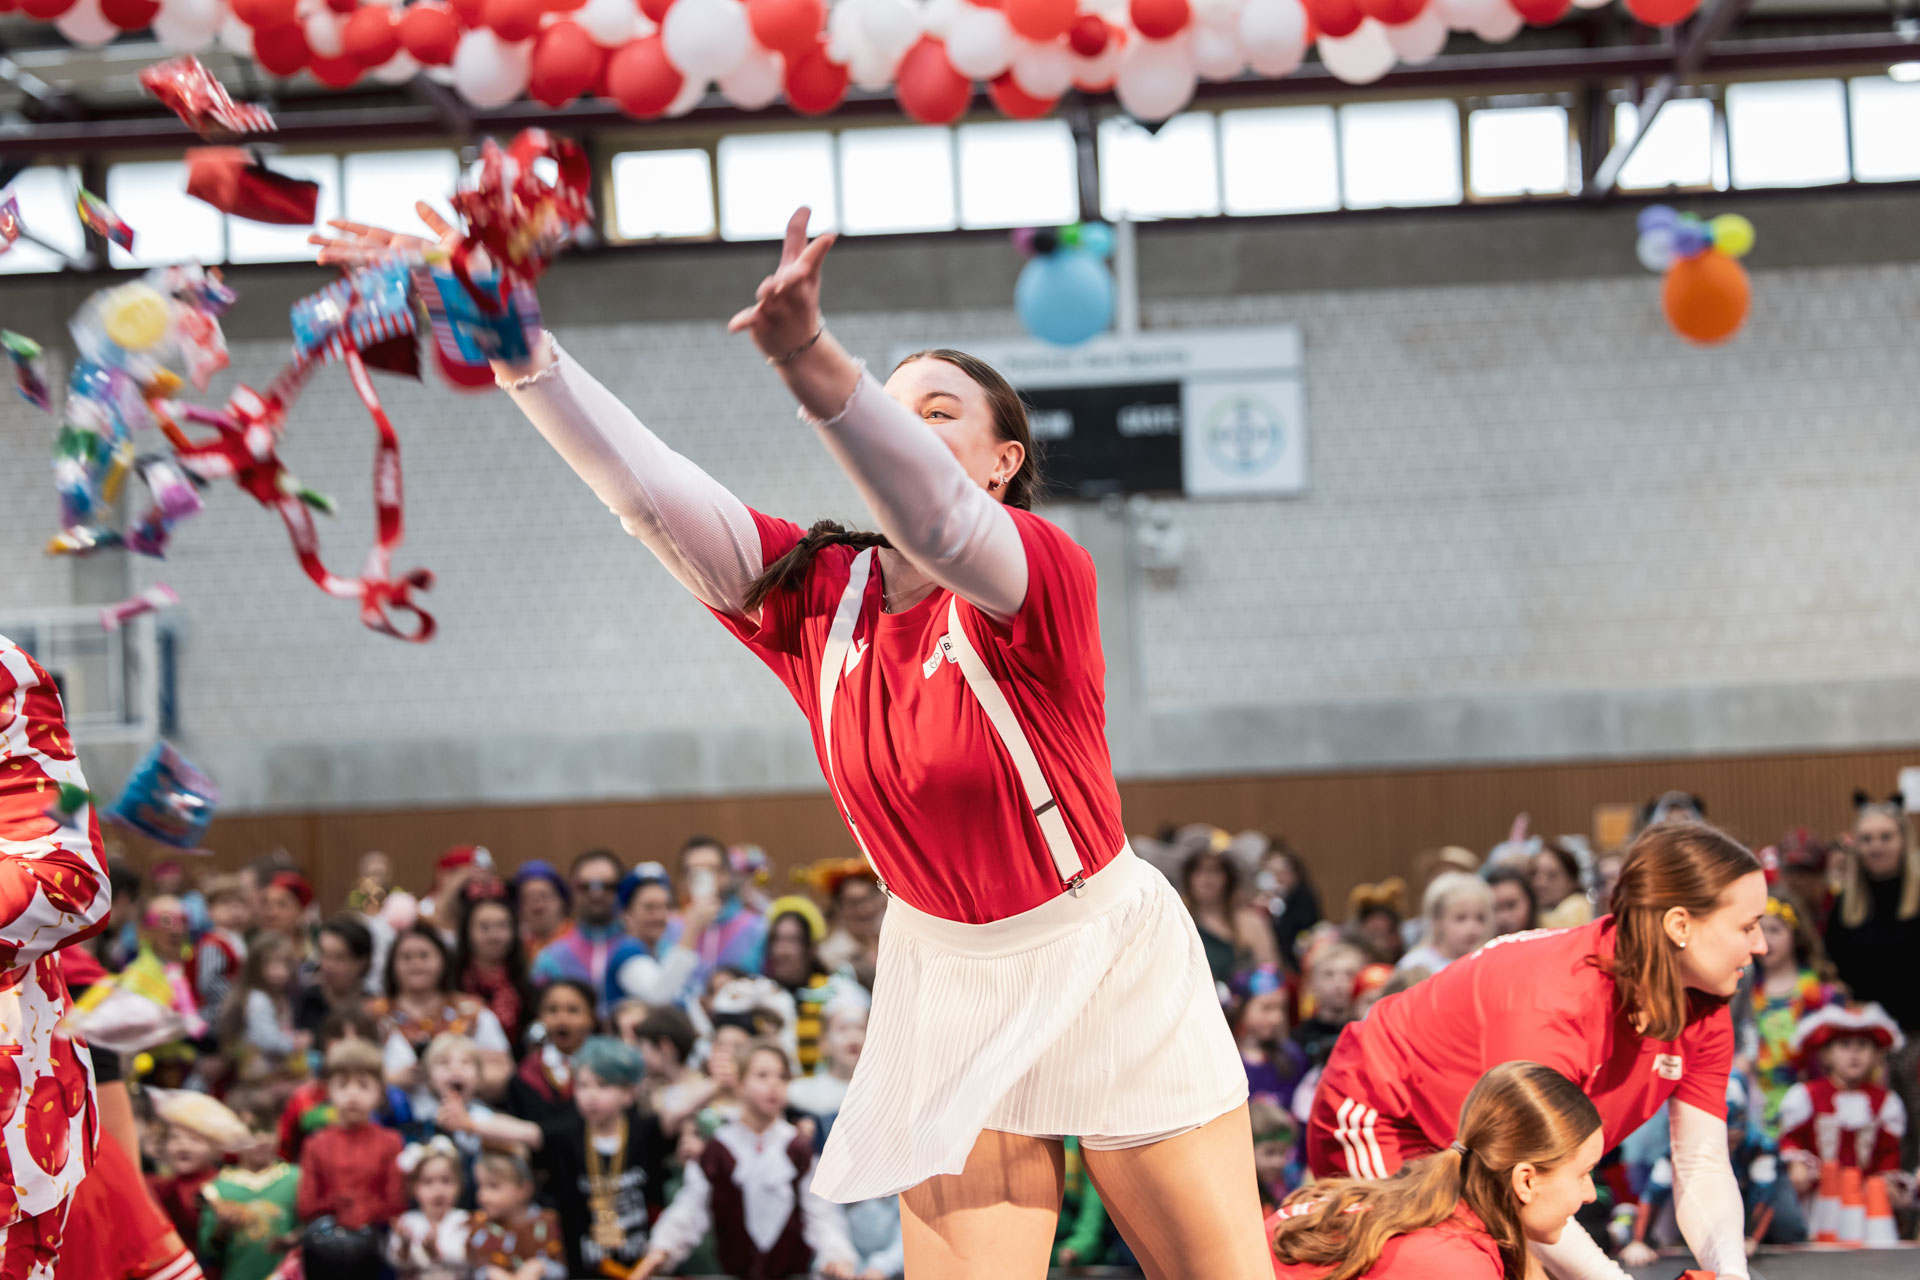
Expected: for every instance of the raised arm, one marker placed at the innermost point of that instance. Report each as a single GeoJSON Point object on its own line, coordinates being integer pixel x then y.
{"type": "Point", "coordinates": [934, 513]}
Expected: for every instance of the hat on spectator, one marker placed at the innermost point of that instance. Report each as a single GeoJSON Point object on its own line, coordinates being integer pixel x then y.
{"type": "Point", "coordinates": [464, 855]}
{"type": "Point", "coordinates": [202, 1114]}
{"type": "Point", "coordinates": [1841, 1022]}
{"type": "Point", "coordinates": [1802, 850]}
{"type": "Point", "coordinates": [614, 1061]}
{"type": "Point", "coordinates": [541, 869]}
{"type": "Point", "coordinates": [795, 905]}
{"type": "Point", "coordinates": [1371, 978]}
{"type": "Point", "coordinates": [294, 883]}
{"type": "Point", "coordinates": [643, 873]}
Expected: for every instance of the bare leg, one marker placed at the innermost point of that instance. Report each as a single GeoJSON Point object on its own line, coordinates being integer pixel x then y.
{"type": "Point", "coordinates": [1189, 1206]}
{"type": "Point", "coordinates": [994, 1218]}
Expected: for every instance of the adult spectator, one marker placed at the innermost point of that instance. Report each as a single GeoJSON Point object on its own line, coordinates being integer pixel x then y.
{"type": "Point", "coordinates": [857, 905]}
{"type": "Point", "coordinates": [737, 937]}
{"type": "Point", "coordinates": [663, 972]}
{"type": "Point", "coordinates": [491, 965]}
{"type": "Point", "coordinates": [1558, 897]}
{"type": "Point", "coordinates": [422, 1003]}
{"type": "Point", "coordinates": [595, 944]}
{"type": "Point", "coordinates": [1513, 905]}
{"type": "Point", "coordinates": [794, 928]}
{"type": "Point", "coordinates": [456, 867]}
{"type": "Point", "coordinates": [1234, 935]}
{"type": "Point", "coordinates": [543, 901]}
{"type": "Point", "coordinates": [284, 902]}
{"type": "Point", "coordinates": [343, 958]}
{"type": "Point", "coordinates": [1873, 936]}
{"type": "Point", "coordinates": [1292, 904]}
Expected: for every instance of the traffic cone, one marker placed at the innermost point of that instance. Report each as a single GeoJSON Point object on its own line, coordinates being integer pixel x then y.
{"type": "Point", "coordinates": [1881, 1230]}
{"type": "Point", "coordinates": [1853, 1209]}
{"type": "Point", "coordinates": [1824, 1221]}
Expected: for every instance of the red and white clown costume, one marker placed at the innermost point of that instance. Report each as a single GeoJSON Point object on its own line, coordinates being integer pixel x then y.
{"type": "Point", "coordinates": [53, 893]}
{"type": "Point", "coordinates": [1823, 1123]}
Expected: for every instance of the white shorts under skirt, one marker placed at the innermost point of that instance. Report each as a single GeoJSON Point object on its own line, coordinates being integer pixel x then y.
{"type": "Point", "coordinates": [1094, 1016]}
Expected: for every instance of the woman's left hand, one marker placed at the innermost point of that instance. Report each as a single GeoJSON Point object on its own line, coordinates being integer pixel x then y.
{"type": "Point", "coordinates": [786, 309]}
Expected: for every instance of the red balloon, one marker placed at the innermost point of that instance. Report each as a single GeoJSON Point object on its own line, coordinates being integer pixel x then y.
{"type": "Point", "coordinates": [1541, 13]}
{"type": "Point", "coordinates": [1042, 19]}
{"type": "Point", "coordinates": [641, 80]}
{"type": "Point", "coordinates": [46, 10]}
{"type": "Point", "coordinates": [1335, 18]}
{"type": "Point", "coordinates": [129, 15]}
{"type": "Point", "coordinates": [566, 63]}
{"type": "Point", "coordinates": [8, 6]}
{"type": "Point", "coordinates": [1014, 102]}
{"type": "Point", "coordinates": [370, 36]}
{"type": "Point", "coordinates": [1089, 35]}
{"type": "Point", "coordinates": [786, 26]}
{"type": "Point", "coordinates": [564, 6]}
{"type": "Point", "coordinates": [815, 84]}
{"type": "Point", "coordinates": [471, 13]}
{"type": "Point", "coordinates": [1662, 13]}
{"type": "Point", "coordinates": [281, 50]}
{"type": "Point", "coordinates": [929, 89]}
{"type": "Point", "coordinates": [1161, 19]}
{"type": "Point", "coordinates": [343, 6]}
{"type": "Point", "coordinates": [336, 73]}
{"type": "Point", "coordinates": [1396, 13]}
{"type": "Point", "coordinates": [430, 34]}
{"type": "Point", "coordinates": [656, 9]}
{"type": "Point", "coordinates": [512, 20]}
{"type": "Point", "coordinates": [260, 14]}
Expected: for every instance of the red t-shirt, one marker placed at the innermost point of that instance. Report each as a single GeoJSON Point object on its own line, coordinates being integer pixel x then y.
{"type": "Point", "coordinates": [1534, 997]}
{"type": "Point", "coordinates": [937, 800]}
{"type": "Point", "coordinates": [1458, 1248]}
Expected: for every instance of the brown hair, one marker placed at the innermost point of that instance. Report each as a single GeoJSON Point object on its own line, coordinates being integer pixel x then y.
{"type": "Point", "coordinates": [353, 1058]}
{"type": "Point", "coordinates": [265, 948]}
{"type": "Point", "coordinates": [1670, 864]}
{"type": "Point", "coordinates": [1009, 424]}
{"type": "Point", "coordinates": [752, 1049]}
{"type": "Point", "coordinates": [1808, 951]}
{"type": "Point", "coordinates": [1519, 1113]}
{"type": "Point", "coordinates": [1855, 904]}
{"type": "Point", "coordinates": [218, 887]}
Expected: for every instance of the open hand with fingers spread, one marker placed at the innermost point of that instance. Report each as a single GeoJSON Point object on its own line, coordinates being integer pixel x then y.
{"type": "Point", "coordinates": [358, 243]}
{"type": "Point", "coordinates": [785, 316]}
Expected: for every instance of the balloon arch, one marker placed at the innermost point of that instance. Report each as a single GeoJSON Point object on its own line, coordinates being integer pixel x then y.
{"type": "Point", "coordinates": [657, 58]}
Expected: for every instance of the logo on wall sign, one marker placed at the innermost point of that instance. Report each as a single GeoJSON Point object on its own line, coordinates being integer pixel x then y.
{"type": "Point", "coordinates": [1244, 433]}
{"type": "Point", "coordinates": [1667, 1066]}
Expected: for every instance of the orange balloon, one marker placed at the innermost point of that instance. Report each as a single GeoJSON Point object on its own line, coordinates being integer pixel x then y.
{"type": "Point", "coordinates": [1706, 297]}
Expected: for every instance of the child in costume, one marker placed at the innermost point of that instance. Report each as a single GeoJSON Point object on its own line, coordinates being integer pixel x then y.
{"type": "Point", "coordinates": [843, 1036]}
{"type": "Point", "coordinates": [350, 1182]}
{"type": "Point", "coordinates": [222, 950]}
{"type": "Point", "coordinates": [1276, 1151]}
{"type": "Point", "coordinates": [429, 1241]}
{"type": "Point", "coordinates": [249, 1217]}
{"type": "Point", "coordinates": [453, 1071]}
{"type": "Point", "coordinates": [752, 1187]}
{"type": "Point", "coordinates": [542, 1087]}
{"type": "Point", "coordinates": [1845, 1115]}
{"type": "Point", "coordinates": [509, 1238]}
{"type": "Point", "coordinates": [1790, 986]}
{"type": "Point", "coordinates": [200, 1131]}
{"type": "Point", "coordinates": [257, 1027]}
{"type": "Point", "coordinates": [308, 1110]}
{"type": "Point", "coordinates": [1275, 1063]}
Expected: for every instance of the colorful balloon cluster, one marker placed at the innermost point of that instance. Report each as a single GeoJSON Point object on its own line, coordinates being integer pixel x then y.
{"type": "Point", "coordinates": [1706, 294]}
{"type": "Point", "coordinates": [659, 57]}
{"type": "Point", "coordinates": [1065, 292]}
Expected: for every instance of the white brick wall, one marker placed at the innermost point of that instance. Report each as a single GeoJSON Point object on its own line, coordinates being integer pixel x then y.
{"type": "Point", "coordinates": [1517, 491]}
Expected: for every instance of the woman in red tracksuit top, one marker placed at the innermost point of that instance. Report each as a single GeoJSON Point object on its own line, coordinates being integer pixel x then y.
{"type": "Point", "coordinates": [1632, 1008]}
{"type": "Point", "coordinates": [1521, 1167]}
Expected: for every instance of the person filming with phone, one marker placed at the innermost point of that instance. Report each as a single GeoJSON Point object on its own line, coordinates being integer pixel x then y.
{"type": "Point", "coordinates": [714, 922]}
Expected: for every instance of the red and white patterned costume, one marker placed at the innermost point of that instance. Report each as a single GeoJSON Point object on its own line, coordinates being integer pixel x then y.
{"type": "Point", "coordinates": [53, 892]}
{"type": "Point", "coordinates": [1822, 1121]}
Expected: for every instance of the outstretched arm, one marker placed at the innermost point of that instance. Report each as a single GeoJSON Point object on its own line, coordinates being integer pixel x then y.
{"type": "Point", "coordinates": [924, 501]}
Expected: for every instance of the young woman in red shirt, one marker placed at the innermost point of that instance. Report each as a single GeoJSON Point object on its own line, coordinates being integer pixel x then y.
{"type": "Point", "coordinates": [1633, 1008]}
{"type": "Point", "coordinates": [1035, 978]}
{"type": "Point", "coordinates": [1521, 1166]}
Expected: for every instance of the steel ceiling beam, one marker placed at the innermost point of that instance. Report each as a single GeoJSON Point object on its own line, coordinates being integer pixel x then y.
{"type": "Point", "coordinates": [1692, 52]}
{"type": "Point", "coordinates": [422, 122]}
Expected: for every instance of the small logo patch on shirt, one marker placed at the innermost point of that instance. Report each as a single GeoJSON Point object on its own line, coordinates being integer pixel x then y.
{"type": "Point", "coordinates": [1667, 1066]}
{"type": "Point", "coordinates": [943, 650]}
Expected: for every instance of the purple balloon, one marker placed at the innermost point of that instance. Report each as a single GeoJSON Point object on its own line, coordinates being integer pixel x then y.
{"type": "Point", "coordinates": [1690, 239]}
{"type": "Point", "coordinates": [1657, 217]}
{"type": "Point", "coordinates": [1023, 241]}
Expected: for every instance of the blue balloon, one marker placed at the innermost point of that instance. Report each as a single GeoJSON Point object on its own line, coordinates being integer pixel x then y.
{"type": "Point", "coordinates": [1065, 297]}
{"type": "Point", "coordinates": [1096, 238]}
{"type": "Point", "coordinates": [1658, 217]}
{"type": "Point", "coordinates": [1691, 239]}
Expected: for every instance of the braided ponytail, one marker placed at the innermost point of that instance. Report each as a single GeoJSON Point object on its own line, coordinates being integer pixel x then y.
{"type": "Point", "coordinates": [789, 572]}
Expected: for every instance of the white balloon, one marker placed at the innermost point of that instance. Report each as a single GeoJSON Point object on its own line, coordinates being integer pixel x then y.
{"type": "Point", "coordinates": [489, 72]}
{"type": "Point", "coordinates": [871, 68]}
{"type": "Point", "coordinates": [1591, 4]}
{"type": "Point", "coordinates": [937, 18]}
{"type": "Point", "coordinates": [1500, 26]}
{"type": "Point", "coordinates": [1465, 15]}
{"type": "Point", "coordinates": [756, 82]}
{"type": "Point", "coordinates": [1043, 70]}
{"type": "Point", "coordinates": [1273, 31]}
{"type": "Point", "coordinates": [1217, 13]}
{"type": "Point", "coordinates": [1656, 250]}
{"type": "Point", "coordinates": [323, 33]}
{"type": "Point", "coordinates": [177, 36]}
{"type": "Point", "coordinates": [1216, 53]}
{"type": "Point", "coordinates": [890, 26]}
{"type": "Point", "coordinates": [692, 93]}
{"type": "Point", "coordinates": [608, 23]}
{"type": "Point", "coordinates": [398, 69]}
{"type": "Point", "coordinates": [1097, 74]}
{"type": "Point", "coordinates": [85, 25]}
{"type": "Point", "coordinates": [1156, 78]}
{"type": "Point", "coordinates": [705, 39]}
{"type": "Point", "coordinates": [441, 73]}
{"type": "Point", "coordinates": [979, 42]}
{"type": "Point", "coordinates": [236, 37]}
{"type": "Point", "coordinates": [1360, 58]}
{"type": "Point", "coordinates": [1420, 41]}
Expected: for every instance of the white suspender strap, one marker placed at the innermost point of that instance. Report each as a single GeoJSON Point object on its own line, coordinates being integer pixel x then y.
{"type": "Point", "coordinates": [1046, 811]}
{"type": "Point", "coordinates": [832, 663]}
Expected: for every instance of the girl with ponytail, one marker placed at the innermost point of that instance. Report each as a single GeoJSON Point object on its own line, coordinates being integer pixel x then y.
{"type": "Point", "coordinates": [1520, 1168]}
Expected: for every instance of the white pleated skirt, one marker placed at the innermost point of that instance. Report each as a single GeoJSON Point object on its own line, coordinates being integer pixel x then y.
{"type": "Point", "coordinates": [1093, 1016]}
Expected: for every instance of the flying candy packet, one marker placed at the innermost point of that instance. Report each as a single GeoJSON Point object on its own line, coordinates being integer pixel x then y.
{"type": "Point", "coordinates": [9, 222]}
{"type": "Point", "coordinates": [167, 799]}
{"type": "Point", "coordinates": [29, 368]}
{"type": "Point", "coordinates": [99, 217]}
{"type": "Point", "coordinates": [191, 92]}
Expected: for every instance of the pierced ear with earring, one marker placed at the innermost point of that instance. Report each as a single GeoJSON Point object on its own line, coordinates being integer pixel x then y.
{"type": "Point", "coordinates": [993, 483]}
